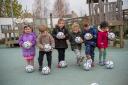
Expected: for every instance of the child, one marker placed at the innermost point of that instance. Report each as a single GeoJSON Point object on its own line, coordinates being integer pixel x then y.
{"type": "Point", "coordinates": [60, 44]}
{"type": "Point", "coordinates": [43, 39]}
{"type": "Point", "coordinates": [76, 47]}
{"type": "Point", "coordinates": [28, 36]}
{"type": "Point", "coordinates": [102, 42]}
{"type": "Point", "coordinates": [91, 43]}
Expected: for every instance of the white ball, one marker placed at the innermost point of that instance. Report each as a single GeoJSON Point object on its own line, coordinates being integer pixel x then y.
{"type": "Point", "coordinates": [62, 64]}
{"type": "Point", "coordinates": [86, 66]}
{"type": "Point", "coordinates": [94, 84]}
{"type": "Point", "coordinates": [27, 44]}
{"type": "Point", "coordinates": [29, 68]}
{"type": "Point", "coordinates": [78, 39]}
{"type": "Point", "coordinates": [111, 36]}
{"type": "Point", "coordinates": [47, 47]}
{"type": "Point", "coordinates": [45, 70]}
{"type": "Point", "coordinates": [60, 35]}
{"type": "Point", "coordinates": [88, 36]}
{"type": "Point", "coordinates": [109, 64]}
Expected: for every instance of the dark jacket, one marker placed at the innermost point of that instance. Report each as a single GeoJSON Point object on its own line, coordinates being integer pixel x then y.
{"type": "Point", "coordinates": [93, 41]}
{"type": "Point", "coordinates": [60, 43]}
{"type": "Point", "coordinates": [72, 37]}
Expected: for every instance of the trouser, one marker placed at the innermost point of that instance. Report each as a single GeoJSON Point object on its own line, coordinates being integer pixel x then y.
{"type": "Point", "coordinates": [89, 50]}
{"type": "Point", "coordinates": [61, 54]}
{"type": "Point", "coordinates": [77, 53]}
{"type": "Point", "coordinates": [41, 57]}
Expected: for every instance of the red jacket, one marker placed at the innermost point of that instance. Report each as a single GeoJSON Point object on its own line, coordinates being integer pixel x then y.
{"type": "Point", "coordinates": [102, 39]}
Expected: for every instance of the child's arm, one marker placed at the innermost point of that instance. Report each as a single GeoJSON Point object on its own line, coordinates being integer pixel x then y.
{"type": "Point", "coordinates": [66, 34]}
{"type": "Point", "coordinates": [100, 40]}
{"type": "Point", "coordinates": [52, 41]}
{"type": "Point", "coordinates": [20, 41]}
{"type": "Point", "coordinates": [94, 33]}
{"type": "Point", "coordinates": [54, 33]}
{"type": "Point", "coordinates": [34, 40]}
{"type": "Point", "coordinates": [39, 45]}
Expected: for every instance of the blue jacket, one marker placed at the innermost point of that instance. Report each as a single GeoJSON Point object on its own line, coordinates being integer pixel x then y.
{"type": "Point", "coordinates": [93, 31]}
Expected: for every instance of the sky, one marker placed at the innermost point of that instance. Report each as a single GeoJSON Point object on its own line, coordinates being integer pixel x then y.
{"type": "Point", "coordinates": [79, 6]}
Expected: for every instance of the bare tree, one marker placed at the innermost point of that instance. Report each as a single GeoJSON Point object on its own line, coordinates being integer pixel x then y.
{"type": "Point", "coordinates": [40, 8]}
{"type": "Point", "coordinates": [61, 8]}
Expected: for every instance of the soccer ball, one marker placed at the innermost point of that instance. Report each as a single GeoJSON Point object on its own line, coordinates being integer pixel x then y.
{"type": "Point", "coordinates": [87, 66]}
{"type": "Point", "coordinates": [111, 36]}
{"type": "Point", "coordinates": [88, 36]}
{"type": "Point", "coordinates": [45, 70]}
{"type": "Point", "coordinates": [47, 47]}
{"type": "Point", "coordinates": [29, 68]}
{"type": "Point", "coordinates": [78, 39]}
{"type": "Point", "coordinates": [63, 64]}
{"type": "Point", "coordinates": [109, 64]}
{"type": "Point", "coordinates": [60, 35]}
{"type": "Point", "coordinates": [94, 84]}
{"type": "Point", "coordinates": [27, 44]}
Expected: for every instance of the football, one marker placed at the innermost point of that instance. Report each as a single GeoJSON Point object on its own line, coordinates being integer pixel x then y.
{"type": "Point", "coordinates": [88, 36]}
{"type": "Point", "coordinates": [47, 47]}
{"type": "Point", "coordinates": [94, 84]}
{"type": "Point", "coordinates": [86, 66]}
{"type": "Point", "coordinates": [45, 70]}
{"type": "Point", "coordinates": [29, 68]}
{"type": "Point", "coordinates": [60, 35]}
{"type": "Point", "coordinates": [109, 64]}
{"type": "Point", "coordinates": [63, 64]}
{"type": "Point", "coordinates": [27, 44]}
{"type": "Point", "coordinates": [78, 39]}
{"type": "Point", "coordinates": [111, 36]}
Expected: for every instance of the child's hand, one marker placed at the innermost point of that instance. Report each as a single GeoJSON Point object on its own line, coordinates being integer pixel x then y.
{"type": "Point", "coordinates": [30, 43]}
{"type": "Point", "coordinates": [81, 40]}
{"type": "Point", "coordinates": [63, 37]}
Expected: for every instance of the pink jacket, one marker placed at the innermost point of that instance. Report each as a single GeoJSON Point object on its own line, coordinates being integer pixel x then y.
{"type": "Point", "coordinates": [102, 39]}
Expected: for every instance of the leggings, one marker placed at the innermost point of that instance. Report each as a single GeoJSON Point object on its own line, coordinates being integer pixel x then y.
{"type": "Point", "coordinates": [41, 57]}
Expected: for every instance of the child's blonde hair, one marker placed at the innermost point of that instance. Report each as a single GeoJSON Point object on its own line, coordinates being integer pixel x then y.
{"type": "Point", "coordinates": [75, 25]}
{"type": "Point", "coordinates": [42, 28]}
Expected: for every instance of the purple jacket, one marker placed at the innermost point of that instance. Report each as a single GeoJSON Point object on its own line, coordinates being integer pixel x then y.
{"type": "Point", "coordinates": [28, 37]}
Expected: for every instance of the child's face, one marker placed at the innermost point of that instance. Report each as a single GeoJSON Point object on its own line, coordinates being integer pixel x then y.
{"type": "Point", "coordinates": [76, 30]}
{"type": "Point", "coordinates": [61, 24]}
{"type": "Point", "coordinates": [27, 30]}
{"type": "Point", "coordinates": [105, 29]}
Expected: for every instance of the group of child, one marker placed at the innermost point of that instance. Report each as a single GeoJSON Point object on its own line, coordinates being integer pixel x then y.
{"type": "Point", "coordinates": [99, 39]}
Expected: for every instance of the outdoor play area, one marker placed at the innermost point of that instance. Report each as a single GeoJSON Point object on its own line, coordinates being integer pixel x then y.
{"type": "Point", "coordinates": [12, 70]}
{"type": "Point", "coordinates": [13, 18]}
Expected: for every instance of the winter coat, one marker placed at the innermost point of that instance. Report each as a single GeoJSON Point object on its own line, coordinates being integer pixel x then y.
{"type": "Point", "coordinates": [93, 32]}
{"type": "Point", "coordinates": [72, 37]}
{"type": "Point", "coordinates": [60, 43]}
{"type": "Point", "coordinates": [45, 38]}
{"type": "Point", "coordinates": [28, 37]}
{"type": "Point", "coordinates": [102, 40]}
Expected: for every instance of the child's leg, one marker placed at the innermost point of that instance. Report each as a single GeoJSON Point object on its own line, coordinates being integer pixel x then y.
{"type": "Point", "coordinates": [40, 58]}
{"type": "Point", "coordinates": [88, 51]}
{"type": "Point", "coordinates": [49, 58]}
{"type": "Point", "coordinates": [61, 53]}
{"type": "Point", "coordinates": [104, 55]}
{"type": "Point", "coordinates": [27, 62]}
{"type": "Point", "coordinates": [92, 53]}
{"type": "Point", "coordinates": [32, 61]}
{"type": "Point", "coordinates": [100, 54]}
{"type": "Point", "coordinates": [78, 55]}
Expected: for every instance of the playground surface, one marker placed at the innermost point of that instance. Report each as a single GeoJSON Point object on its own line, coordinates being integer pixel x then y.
{"type": "Point", "coordinates": [12, 69]}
